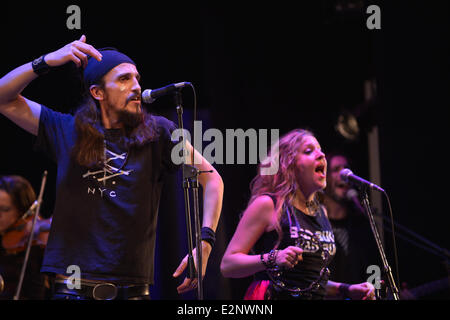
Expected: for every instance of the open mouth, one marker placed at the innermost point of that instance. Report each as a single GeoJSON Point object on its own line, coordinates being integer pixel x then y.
{"type": "Point", "coordinates": [136, 99]}
{"type": "Point", "coordinates": [320, 169]}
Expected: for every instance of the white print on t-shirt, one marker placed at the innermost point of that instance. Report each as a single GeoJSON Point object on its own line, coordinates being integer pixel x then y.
{"type": "Point", "coordinates": [108, 171]}
{"type": "Point", "coordinates": [102, 192]}
{"type": "Point", "coordinates": [326, 239]}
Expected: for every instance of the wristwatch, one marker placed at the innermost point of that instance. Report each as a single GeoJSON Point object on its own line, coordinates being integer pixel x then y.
{"type": "Point", "coordinates": [39, 65]}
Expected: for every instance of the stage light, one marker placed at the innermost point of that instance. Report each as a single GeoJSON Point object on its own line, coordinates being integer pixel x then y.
{"type": "Point", "coordinates": [362, 118]}
{"type": "Point", "coordinates": [347, 126]}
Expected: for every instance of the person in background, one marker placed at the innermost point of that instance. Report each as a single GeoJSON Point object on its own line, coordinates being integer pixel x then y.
{"type": "Point", "coordinates": [16, 198]}
{"type": "Point", "coordinates": [355, 246]}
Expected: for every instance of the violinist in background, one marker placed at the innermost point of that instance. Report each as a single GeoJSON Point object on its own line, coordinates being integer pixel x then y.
{"type": "Point", "coordinates": [16, 198]}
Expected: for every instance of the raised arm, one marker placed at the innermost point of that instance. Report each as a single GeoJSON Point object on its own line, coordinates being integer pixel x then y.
{"type": "Point", "coordinates": [22, 111]}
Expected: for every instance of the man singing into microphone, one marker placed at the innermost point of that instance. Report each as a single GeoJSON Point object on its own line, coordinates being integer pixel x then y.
{"type": "Point", "coordinates": [112, 157]}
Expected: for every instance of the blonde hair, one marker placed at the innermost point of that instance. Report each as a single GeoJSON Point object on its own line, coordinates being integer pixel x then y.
{"type": "Point", "coordinates": [282, 185]}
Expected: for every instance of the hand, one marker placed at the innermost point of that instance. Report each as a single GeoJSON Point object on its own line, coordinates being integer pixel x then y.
{"type": "Point", "coordinates": [76, 51]}
{"type": "Point", "coordinates": [190, 284]}
{"type": "Point", "coordinates": [289, 257]}
{"type": "Point", "coordinates": [362, 291]}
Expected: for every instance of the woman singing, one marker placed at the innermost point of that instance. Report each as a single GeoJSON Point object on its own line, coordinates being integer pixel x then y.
{"type": "Point", "coordinates": [284, 238]}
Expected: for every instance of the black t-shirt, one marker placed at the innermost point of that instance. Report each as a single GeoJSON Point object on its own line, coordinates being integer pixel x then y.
{"type": "Point", "coordinates": [308, 270]}
{"type": "Point", "coordinates": [356, 248]}
{"type": "Point", "coordinates": [104, 220]}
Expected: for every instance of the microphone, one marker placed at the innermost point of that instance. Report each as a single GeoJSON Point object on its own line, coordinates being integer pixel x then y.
{"type": "Point", "coordinates": [150, 95]}
{"type": "Point", "coordinates": [348, 176]}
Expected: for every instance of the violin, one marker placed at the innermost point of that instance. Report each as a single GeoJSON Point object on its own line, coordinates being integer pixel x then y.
{"type": "Point", "coordinates": [15, 238]}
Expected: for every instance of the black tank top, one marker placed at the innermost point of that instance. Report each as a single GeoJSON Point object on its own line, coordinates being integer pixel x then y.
{"type": "Point", "coordinates": [308, 270]}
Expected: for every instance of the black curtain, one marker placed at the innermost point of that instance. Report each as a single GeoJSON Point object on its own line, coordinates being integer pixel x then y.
{"type": "Point", "coordinates": [260, 66]}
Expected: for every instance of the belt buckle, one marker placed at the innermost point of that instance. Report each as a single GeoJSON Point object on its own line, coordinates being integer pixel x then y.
{"type": "Point", "coordinates": [104, 291]}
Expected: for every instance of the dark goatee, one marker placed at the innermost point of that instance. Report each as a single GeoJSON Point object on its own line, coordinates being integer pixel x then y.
{"type": "Point", "coordinates": [131, 119]}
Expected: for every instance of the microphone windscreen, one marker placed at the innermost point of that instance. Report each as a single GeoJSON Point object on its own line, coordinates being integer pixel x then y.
{"type": "Point", "coordinates": [147, 97]}
{"type": "Point", "coordinates": [345, 173]}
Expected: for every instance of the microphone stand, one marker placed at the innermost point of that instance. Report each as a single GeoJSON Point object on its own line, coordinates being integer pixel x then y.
{"type": "Point", "coordinates": [190, 181]}
{"type": "Point", "coordinates": [30, 239]}
{"type": "Point", "coordinates": [387, 268]}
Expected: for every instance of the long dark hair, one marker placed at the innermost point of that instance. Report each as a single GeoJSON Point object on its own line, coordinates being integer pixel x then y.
{"type": "Point", "coordinates": [89, 146]}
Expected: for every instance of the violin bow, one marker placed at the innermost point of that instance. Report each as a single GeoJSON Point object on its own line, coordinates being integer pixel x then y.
{"type": "Point", "coordinates": [30, 239]}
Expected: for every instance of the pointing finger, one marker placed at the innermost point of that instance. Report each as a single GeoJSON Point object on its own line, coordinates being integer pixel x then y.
{"type": "Point", "coordinates": [89, 50]}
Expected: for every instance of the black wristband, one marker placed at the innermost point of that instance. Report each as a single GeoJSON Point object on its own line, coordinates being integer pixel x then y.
{"type": "Point", "coordinates": [344, 290]}
{"type": "Point", "coordinates": [40, 67]}
{"type": "Point", "coordinates": [209, 235]}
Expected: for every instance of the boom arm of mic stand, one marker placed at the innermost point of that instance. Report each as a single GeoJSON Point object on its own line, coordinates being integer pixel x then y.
{"type": "Point", "coordinates": [387, 268]}
{"type": "Point", "coordinates": [427, 246]}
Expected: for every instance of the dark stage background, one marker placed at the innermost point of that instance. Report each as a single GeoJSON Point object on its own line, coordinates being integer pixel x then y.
{"type": "Point", "coordinates": [269, 65]}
